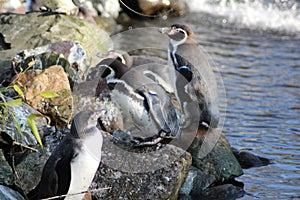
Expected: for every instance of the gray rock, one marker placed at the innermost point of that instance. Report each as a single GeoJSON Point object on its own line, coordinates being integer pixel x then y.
{"type": "Point", "coordinates": [21, 114]}
{"type": "Point", "coordinates": [38, 29]}
{"type": "Point", "coordinates": [6, 173]}
{"type": "Point", "coordinates": [8, 194]}
{"type": "Point", "coordinates": [219, 162]}
{"type": "Point", "coordinates": [221, 192]}
{"type": "Point", "coordinates": [69, 54]}
{"type": "Point", "coordinates": [196, 181]}
{"type": "Point", "coordinates": [248, 160]}
{"type": "Point", "coordinates": [157, 174]}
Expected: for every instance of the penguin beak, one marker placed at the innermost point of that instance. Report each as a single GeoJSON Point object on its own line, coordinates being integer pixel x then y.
{"type": "Point", "coordinates": [165, 30]}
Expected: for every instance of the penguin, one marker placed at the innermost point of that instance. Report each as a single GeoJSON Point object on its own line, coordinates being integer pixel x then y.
{"type": "Point", "coordinates": [192, 77]}
{"type": "Point", "coordinates": [143, 102]}
{"type": "Point", "coordinates": [71, 167]}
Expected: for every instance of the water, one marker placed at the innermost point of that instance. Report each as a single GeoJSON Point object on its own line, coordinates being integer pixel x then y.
{"type": "Point", "coordinates": [256, 46]}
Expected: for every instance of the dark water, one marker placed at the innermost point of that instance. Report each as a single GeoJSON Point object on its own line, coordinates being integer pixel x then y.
{"type": "Point", "coordinates": [260, 67]}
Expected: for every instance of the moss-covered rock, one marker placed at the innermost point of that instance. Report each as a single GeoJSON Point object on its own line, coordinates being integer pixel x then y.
{"type": "Point", "coordinates": [220, 161]}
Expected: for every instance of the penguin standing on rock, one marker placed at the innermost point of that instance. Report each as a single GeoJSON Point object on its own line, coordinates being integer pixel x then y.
{"type": "Point", "coordinates": [144, 103]}
{"type": "Point", "coordinates": [193, 78]}
{"type": "Point", "coordinates": [71, 167]}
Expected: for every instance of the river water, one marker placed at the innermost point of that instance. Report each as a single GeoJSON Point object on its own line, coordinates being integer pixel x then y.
{"type": "Point", "coordinates": [256, 47]}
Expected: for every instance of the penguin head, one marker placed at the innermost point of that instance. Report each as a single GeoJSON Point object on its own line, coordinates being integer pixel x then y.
{"type": "Point", "coordinates": [113, 68]}
{"type": "Point", "coordinates": [179, 33]}
{"type": "Point", "coordinates": [121, 56]}
{"type": "Point", "coordinates": [84, 121]}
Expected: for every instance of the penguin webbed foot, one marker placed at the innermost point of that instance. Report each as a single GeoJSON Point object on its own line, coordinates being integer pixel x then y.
{"type": "Point", "coordinates": [147, 142]}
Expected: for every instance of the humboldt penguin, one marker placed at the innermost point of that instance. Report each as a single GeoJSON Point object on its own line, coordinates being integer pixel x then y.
{"type": "Point", "coordinates": [143, 102]}
{"type": "Point", "coordinates": [71, 167]}
{"type": "Point", "coordinates": [193, 79]}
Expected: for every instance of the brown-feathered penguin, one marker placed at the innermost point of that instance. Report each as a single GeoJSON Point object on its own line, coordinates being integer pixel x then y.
{"type": "Point", "coordinates": [194, 79]}
{"type": "Point", "coordinates": [72, 165]}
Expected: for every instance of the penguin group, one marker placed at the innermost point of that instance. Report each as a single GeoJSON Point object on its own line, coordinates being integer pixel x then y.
{"type": "Point", "coordinates": [154, 106]}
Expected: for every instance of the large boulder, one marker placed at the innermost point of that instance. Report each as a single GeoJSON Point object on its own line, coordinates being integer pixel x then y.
{"type": "Point", "coordinates": [19, 32]}
{"type": "Point", "coordinates": [157, 174]}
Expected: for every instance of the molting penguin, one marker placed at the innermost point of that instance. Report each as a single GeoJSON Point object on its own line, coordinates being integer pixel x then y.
{"type": "Point", "coordinates": [72, 165]}
{"type": "Point", "coordinates": [142, 101]}
{"type": "Point", "coordinates": [193, 74]}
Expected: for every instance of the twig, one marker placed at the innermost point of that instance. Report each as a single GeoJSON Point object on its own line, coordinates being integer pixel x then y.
{"type": "Point", "coordinates": [65, 195]}
{"type": "Point", "coordinates": [24, 146]}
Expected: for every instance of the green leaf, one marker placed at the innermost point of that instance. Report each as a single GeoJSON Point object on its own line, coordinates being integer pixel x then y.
{"type": "Point", "coordinates": [18, 90]}
{"type": "Point", "coordinates": [48, 95]}
{"type": "Point", "coordinates": [33, 128]}
{"type": "Point", "coordinates": [17, 124]}
{"type": "Point", "coordinates": [15, 102]}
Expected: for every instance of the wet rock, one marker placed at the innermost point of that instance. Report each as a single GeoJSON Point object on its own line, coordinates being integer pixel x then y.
{"type": "Point", "coordinates": [248, 160]}
{"type": "Point", "coordinates": [219, 162]}
{"type": "Point", "coordinates": [39, 29]}
{"type": "Point", "coordinates": [7, 193]}
{"type": "Point", "coordinates": [53, 79]}
{"type": "Point", "coordinates": [21, 113]}
{"type": "Point", "coordinates": [157, 174]}
{"type": "Point", "coordinates": [221, 192]}
{"type": "Point", "coordinates": [196, 181]}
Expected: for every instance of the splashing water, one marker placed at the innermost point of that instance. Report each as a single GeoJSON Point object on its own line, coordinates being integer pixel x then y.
{"type": "Point", "coordinates": [277, 15]}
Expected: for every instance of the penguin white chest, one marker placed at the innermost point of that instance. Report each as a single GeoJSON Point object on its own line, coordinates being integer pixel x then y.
{"type": "Point", "coordinates": [84, 166]}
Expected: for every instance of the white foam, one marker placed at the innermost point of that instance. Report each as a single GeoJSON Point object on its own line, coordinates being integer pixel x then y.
{"type": "Point", "coordinates": [279, 16]}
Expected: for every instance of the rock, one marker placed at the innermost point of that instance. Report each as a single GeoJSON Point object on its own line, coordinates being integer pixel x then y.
{"type": "Point", "coordinates": [60, 6]}
{"type": "Point", "coordinates": [38, 29]}
{"type": "Point", "coordinates": [196, 181]}
{"type": "Point", "coordinates": [30, 169]}
{"type": "Point", "coordinates": [150, 7]}
{"type": "Point", "coordinates": [53, 79]}
{"type": "Point", "coordinates": [108, 8]}
{"type": "Point", "coordinates": [157, 174]}
{"type": "Point", "coordinates": [6, 173]}
{"type": "Point", "coordinates": [219, 162]}
{"type": "Point", "coordinates": [9, 5]}
{"type": "Point", "coordinates": [70, 55]}
{"type": "Point", "coordinates": [221, 192]}
{"type": "Point", "coordinates": [7, 193]}
{"type": "Point", "coordinates": [21, 113]}
{"type": "Point", "coordinates": [248, 160]}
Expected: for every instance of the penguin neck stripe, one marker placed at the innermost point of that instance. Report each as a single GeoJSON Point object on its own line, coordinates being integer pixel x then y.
{"type": "Point", "coordinates": [127, 87]}
{"type": "Point", "coordinates": [183, 67]}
